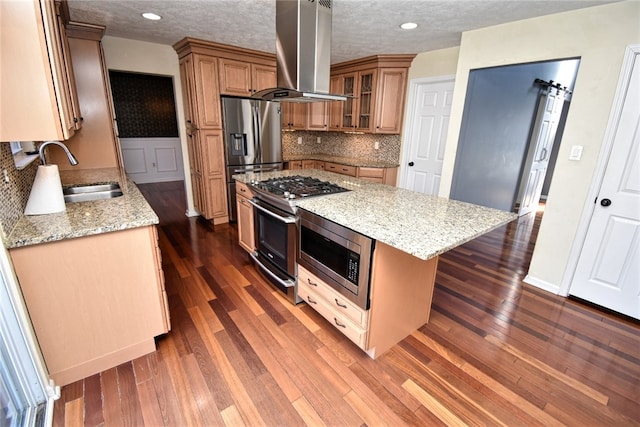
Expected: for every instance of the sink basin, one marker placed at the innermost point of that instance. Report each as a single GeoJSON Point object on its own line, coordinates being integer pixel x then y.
{"type": "Point", "coordinates": [89, 192]}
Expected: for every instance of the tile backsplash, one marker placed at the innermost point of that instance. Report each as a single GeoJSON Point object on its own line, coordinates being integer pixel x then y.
{"type": "Point", "coordinates": [15, 193]}
{"type": "Point", "coordinates": [342, 145]}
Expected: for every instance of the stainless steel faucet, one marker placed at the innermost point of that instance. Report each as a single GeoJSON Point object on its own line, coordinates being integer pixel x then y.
{"type": "Point", "coordinates": [72, 158]}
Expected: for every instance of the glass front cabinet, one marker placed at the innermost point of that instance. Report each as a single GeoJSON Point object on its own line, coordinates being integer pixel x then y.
{"type": "Point", "coordinates": [375, 88]}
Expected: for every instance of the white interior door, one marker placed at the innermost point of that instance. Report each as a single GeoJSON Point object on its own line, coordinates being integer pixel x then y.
{"type": "Point", "coordinates": [427, 125]}
{"type": "Point", "coordinates": [152, 159]}
{"type": "Point", "coordinates": [542, 138]}
{"type": "Point", "coordinates": [608, 269]}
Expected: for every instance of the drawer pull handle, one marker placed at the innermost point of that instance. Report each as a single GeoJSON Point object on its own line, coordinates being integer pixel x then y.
{"type": "Point", "coordinates": [342, 325]}
{"type": "Point", "coordinates": [309, 299]}
{"type": "Point", "coordinates": [339, 304]}
{"type": "Point", "coordinates": [311, 283]}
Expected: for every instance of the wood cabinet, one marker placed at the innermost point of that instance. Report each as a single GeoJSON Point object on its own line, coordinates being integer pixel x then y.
{"type": "Point", "coordinates": [293, 165]}
{"type": "Point", "coordinates": [376, 88]}
{"type": "Point", "coordinates": [96, 144]}
{"type": "Point", "coordinates": [305, 116]}
{"type": "Point", "coordinates": [294, 115]}
{"type": "Point", "coordinates": [380, 175]}
{"type": "Point", "coordinates": [317, 117]}
{"type": "Point", "coordinates": [401, 289]}
{"type": "Point", "coordinates": [35, 64]}
{"type": "Point", "coordinates": [335, 107]}
{"type": "Point", "coordinates": [207, 70]}
{"type": "Point", "coordinates": [204, 133]}
{"type": "Point", "coordinates": [246, 233]}
{"type": "Point", "coordinates": [348, 318]}
{"type": "Point", "coordinates": [320, 165]}
{"type": "Point", "coordinates": [301, 164]}
{"type": "Point", "coordinates": [341, 169]}
{"type": "Point", "coordinates": [95, 302]}
{"type": "Point", "coordinates": [243, 78]}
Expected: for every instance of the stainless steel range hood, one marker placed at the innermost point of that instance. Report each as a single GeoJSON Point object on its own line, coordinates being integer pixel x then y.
{"type": "Point", "coordinates": [303, 52]}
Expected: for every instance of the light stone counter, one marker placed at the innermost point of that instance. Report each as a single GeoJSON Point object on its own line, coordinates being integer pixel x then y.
{"type": "Point", "coordinates": [418, 224]}
{"type": "Point", "coordinates": [130, 210]}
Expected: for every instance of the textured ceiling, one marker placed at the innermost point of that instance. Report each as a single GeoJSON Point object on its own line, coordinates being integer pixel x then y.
{"type": "Point", "coordinates": [360, 27]}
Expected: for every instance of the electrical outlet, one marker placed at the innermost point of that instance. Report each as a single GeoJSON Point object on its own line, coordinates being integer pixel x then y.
{"type": "Point", "coordinates": [299, 140]}
{"type": "Point", "coordinates": [376, 145]}
{"type": "Point", "coordinates": [5, 176]}
{"type": "Point", "coordinates": [318, 140]}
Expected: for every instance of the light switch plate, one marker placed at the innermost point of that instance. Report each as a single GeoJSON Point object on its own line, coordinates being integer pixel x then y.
{"type": "Point", "coordinates": [576, 152]}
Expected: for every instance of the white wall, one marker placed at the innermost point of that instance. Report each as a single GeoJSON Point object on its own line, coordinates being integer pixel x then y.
{"type": "Point", "coordinates": [442, 62]}
{"type": "Point", "coordinates": [598, 35]}
{"type": "Point", "coordinates": [152, 58]}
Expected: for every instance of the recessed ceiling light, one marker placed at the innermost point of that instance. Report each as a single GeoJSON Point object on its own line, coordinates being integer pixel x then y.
{"type": "Point", "coordinates": [151, 16]}
{"type": "Point", "coordinates": [409, 26]}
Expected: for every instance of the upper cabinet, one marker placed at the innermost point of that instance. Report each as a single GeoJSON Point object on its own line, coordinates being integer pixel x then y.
{"type": "Point", "coordinates": [317, 117]}
{"type": "Point", "coordinates": [207, 71]}
{"type": "Point", "coordinates": [39, 100]}
{"type": "Point", "coordinates": [294, 115]}
{"type": "Point", "coordinates": [375, 87]}
{"type": "Point", "coordinates": [242, 78]}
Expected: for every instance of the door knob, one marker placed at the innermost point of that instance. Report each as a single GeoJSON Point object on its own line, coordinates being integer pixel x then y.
{"type": "Point", "coordinates": [410, 163]}
{"type": "Point", "coordinates": [605, 202]}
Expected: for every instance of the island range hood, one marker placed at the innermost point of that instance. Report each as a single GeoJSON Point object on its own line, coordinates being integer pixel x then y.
{"type": "Point", "coordinates": [303, 52]}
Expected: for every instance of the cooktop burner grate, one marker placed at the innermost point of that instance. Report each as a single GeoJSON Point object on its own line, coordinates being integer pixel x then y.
{"type": "Point", "coordinates": [298, 186]}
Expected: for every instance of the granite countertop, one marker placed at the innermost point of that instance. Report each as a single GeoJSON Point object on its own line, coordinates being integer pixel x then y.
{"type": "Point", "coordinates": [415, 223]}
{"type": "Point", "coordinates": [349, 161]}
{"type": "Point", "coordinates": [130, 210]}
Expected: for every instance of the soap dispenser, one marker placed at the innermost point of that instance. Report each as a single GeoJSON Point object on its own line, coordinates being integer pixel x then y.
{"type": "Point", "coordinates": [46, 192]}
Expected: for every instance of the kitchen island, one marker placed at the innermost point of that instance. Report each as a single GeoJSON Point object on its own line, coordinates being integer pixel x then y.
{"type": "Point", "coordinates": [410, 230]}
{"type": "Point", "coordinates": [92, 279]}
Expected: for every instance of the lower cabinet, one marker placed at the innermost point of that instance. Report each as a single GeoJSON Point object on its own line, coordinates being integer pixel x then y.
{"type": "Point", "coordinates": [341, 169]}
{"type": "Point", "coordinates": [246, 234]}
{"type": "Point", "coordinates": [349, 319]}
{"type": "Point", "coordinates": [401, 289]}
{"type": "Point", "coordinates": [380, 175]}
{"type": "Point", "coordinates": [95, 302]}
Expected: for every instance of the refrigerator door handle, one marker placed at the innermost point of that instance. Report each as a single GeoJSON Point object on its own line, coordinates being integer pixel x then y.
{"type": "Point", "coordinates": [257, 132]}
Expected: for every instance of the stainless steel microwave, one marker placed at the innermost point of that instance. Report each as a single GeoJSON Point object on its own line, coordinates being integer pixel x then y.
{"type": "Point", "coordinates": [337, 255]}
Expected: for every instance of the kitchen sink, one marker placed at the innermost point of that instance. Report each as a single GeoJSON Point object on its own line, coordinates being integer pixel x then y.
{"type": "Point", "coordinates": [89, 192]}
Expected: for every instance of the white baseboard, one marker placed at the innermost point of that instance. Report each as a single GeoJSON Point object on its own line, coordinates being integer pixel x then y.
{"type": "Point", "coordinates": [538, 283]}
{"type": "Point", "coordinates": [191, 212]}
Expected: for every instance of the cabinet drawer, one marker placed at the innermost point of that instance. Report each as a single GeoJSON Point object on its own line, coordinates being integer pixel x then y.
{"type": "Point", "coordinates": [333, 299]}
{"type": "Point", "coordinates": [342, 169]}
{"type": "Point", "coordinates": [243, 189]}
{"type": "Point", "coordinates": [370, 173]}
{"type": "Point", "coordinates": [308, 164]}
{"type": "Point", "coordinates": [339, 321]}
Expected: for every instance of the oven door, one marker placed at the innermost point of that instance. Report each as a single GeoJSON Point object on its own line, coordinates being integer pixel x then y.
{"type": "Point", "coordinates": [276, 245]}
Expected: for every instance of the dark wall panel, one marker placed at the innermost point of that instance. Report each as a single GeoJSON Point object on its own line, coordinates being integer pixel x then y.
{"type": "Point", "coordinates": [144, 104]}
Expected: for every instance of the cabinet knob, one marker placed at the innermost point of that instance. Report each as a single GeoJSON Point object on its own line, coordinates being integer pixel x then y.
{"type": "Point", "coordinates": [605, 202]}
{"type": "Point", "coordinates": [411, 163]}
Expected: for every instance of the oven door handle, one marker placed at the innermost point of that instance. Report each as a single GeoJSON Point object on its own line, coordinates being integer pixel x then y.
{"type": "Point", "coordinates": [286, 284]}
{"type": "Point", "coordinates": [286, 220]}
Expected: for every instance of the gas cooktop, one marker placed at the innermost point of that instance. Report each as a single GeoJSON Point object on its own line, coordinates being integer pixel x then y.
{"type": "Point", "coordinates": [296, 186]}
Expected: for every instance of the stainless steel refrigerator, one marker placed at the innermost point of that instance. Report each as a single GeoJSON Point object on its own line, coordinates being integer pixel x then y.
{"type": "Point", "coordinates": [252, 139]}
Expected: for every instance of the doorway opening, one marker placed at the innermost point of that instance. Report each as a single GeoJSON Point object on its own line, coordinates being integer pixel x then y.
{"type": "Point", "coordinates": [147, 125]}
{"type": "Point", "coordinates": [499, 127]}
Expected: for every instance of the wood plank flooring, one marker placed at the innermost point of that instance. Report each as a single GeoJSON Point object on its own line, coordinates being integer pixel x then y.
{"type": "Point", "coordinates": [495, 352]}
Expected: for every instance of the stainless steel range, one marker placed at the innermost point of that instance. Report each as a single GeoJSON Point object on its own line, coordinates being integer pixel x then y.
{"type": "Point", "coordinates": [277, 226]}
{"type": "Point", "coordinates": [282, 192]}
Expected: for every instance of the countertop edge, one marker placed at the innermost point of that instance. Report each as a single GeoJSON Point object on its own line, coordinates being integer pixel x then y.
{"type": "Point", "coordinates": [131, 210]}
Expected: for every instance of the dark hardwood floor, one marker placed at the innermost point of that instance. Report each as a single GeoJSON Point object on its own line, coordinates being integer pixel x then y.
{"type": "Point", "coordinates": [495, 352]}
